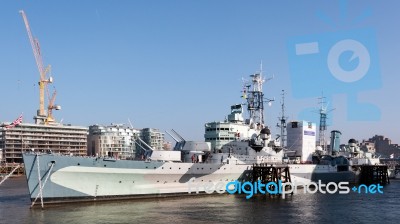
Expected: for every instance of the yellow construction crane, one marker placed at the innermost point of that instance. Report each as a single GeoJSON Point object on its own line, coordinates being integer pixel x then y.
{"type": "Point", "coordinates": [50, 119]}
{"type": "Point", "coordinates": [41, 115]}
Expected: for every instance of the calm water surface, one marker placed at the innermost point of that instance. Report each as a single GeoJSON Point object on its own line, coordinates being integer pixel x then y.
{"type": "Point", "coordinates": [299, 208]}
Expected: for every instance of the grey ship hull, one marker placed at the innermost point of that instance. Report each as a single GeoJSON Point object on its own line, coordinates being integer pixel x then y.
{"type": "Point", "coordinates": [67, 178]}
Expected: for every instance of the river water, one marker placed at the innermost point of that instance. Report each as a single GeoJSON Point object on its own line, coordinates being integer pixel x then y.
{"type": "Point", "coordinates": [298, 208]}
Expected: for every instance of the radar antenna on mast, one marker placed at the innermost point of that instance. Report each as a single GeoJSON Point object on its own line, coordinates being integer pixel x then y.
{"type": "Point", "coordinates": [282, 119]}
{"type": "Point", "coordinates": [323, 112]}
{"type": "Point", "coordinates": [253, 93]}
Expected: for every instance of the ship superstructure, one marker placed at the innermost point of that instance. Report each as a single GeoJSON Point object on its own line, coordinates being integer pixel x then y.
{"type": "Point", "coordinates": [236, 128]}
{"type": "Point", "coordinates": [232, 129]}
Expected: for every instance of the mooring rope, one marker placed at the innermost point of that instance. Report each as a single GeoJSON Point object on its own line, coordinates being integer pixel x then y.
{"type": "Point", "coordinates": [40, 183]}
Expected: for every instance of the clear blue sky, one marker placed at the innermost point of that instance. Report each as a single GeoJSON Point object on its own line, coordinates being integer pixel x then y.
{"type": "Point", "coordinates": [179, 64]}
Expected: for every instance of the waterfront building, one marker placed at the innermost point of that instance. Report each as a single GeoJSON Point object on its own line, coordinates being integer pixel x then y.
{"type": "Point", "coordinates": [367, 146]}
{"type": "Point", "coordinates": [113, 140]}
{"type": "Point", "coordinates": [122, 142]}
{"type": "Point", "coordinates": [385, 146]}
{"type": "Point", "coordinates": [56, 138]}
{"type": "Point", "coordinates": [167, 146]}
{"type": "Point", "coordinates": [153, 137]}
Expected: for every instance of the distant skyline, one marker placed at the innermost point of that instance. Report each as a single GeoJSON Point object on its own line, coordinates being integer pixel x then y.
{"type": "Point", "coordinates": [179, 64]}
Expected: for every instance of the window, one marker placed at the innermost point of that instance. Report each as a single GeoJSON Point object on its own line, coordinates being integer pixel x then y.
{"type": "Point", "coordinates": [294, 124]}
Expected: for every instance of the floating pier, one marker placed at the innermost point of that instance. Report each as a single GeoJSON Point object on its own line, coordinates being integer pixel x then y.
{"type": "Point", "coordinates": [271, 173]}
{"type": "Point", "coordinates": [374, 174]}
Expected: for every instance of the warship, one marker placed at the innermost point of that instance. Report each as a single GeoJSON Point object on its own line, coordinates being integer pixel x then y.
{"type": "Point", "coordinates": [230, 149]}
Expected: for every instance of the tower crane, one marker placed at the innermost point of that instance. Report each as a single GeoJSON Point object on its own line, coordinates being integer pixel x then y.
{"type": "Point", "coordinates": [43, 81]}
{"type": "Point", "coordinates": [50, 119]}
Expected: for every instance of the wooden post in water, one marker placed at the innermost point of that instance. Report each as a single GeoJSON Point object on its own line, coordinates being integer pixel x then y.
{"type": "Point", "coordinates": [271, 173]}
{"type": "Point", "coordinates": [374, 174]}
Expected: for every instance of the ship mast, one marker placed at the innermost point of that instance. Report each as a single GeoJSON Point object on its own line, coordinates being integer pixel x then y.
{"type": "Point", "coordinates": [255, 100]}
{"type": "Point", "coordinates": [323, 112]}
{"type": "Point", "coordinates": [282, 119]}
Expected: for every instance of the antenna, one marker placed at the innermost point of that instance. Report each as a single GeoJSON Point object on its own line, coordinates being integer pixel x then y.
{"type": "Point", "coordinates": [323, 112]}
{"type": "Point", "coordinates": [282, 119]}
{"type": "Point", "coordinates": [254, 96]}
